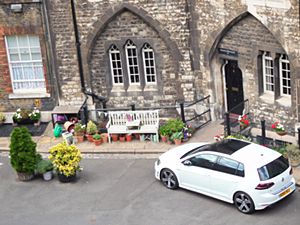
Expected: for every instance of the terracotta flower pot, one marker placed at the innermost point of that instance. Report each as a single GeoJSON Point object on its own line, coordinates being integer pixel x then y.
{"type": "Point", "coordinates": [104, 138]}
{"type": "Point", "coordinates": [177, 141]}
{"type": "Point", "coordinates": [128, 137]}
{"type": "Point", "coordinates": [80, 138]}
{"type": "Point", "coordinates": [164, 138]}
{"type": "Point", "coordinates": [97, 142]}
{"type": "Point", "coordinates": [114, 137]}
{"type": "Point", "coordinates": [89, 137]}
{"type": "Point", "coordinates": [122, 138]}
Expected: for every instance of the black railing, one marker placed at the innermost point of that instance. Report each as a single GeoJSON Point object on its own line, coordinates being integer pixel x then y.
{"type": "Point", "coordinates": [231, 123]}
{"type": "Point", "coordinates": [182, 106]}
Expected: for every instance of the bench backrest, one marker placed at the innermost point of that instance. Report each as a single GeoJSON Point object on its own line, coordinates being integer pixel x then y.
{"type": "Point", "coordinates": [146, 117]}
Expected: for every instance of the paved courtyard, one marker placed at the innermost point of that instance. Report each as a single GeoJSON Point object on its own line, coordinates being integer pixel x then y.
{"type": "Point", "coordinates": [115, 191]}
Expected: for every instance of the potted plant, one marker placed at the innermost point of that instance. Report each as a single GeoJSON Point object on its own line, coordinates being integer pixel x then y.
{"type": "Point", "coordinates": [21, 116]}
{"type": "Point", "coordinates": [293, 154]}
{"type": "Point", "coordinates": [97, 139]}
{"type": "Point", "coordinates": [45, 167]}
{"type": "Point", "coordinates": [177, 137]}
{"type": "Point", "coordinates": [243, 121]}
{"type": "Point", "coordinates": [35, 116]}
{"type": "Point", "coordinates": [163, 131]}
{"type": "Point", "coordinates": [2, 118]}
{"type": "Point", "coordinates": [114, 137]}
{"type": "Point", "coordinates": [91, 129]}
{"type": "Point", "coordinates": [79, 130]}
{"type": "Point", "coordinates": [104, 137]}
{"type": "Point", "coordinates": [122, 138]}
{"type": "Point", "coordinates": [128, 137]}
{"type": "Point", "coordinates": [279, 129]}
{"type": "Point", "coordinates": [23, 155]}
{"type": "Point", "coordinates": [65, 159]}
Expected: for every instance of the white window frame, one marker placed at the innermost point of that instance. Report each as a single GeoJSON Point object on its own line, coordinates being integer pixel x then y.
{"type": "Point", "coordinates": [34, 64]}
{"type": "Point", "coordinates": [284, 60]}
{"type": "Point", "coordinates": [148, 49]}
{"type": "Point", "coordinates": [268, 72]}
{"type": "Point", "coordinates": [114, 50]}
{"type": "Point", "coordinates": [130, 46]}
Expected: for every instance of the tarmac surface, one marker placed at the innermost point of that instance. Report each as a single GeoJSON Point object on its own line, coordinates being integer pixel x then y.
{"type": "Point", "coordinates": [136, 148]}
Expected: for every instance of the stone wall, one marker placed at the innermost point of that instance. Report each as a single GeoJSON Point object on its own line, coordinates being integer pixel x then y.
{"type": "Point", "coordinates": [244, 26]}
{"type": "Point", "coordinates": [171, 18]}
{"type": "Point", "coordinates": [29, 21]}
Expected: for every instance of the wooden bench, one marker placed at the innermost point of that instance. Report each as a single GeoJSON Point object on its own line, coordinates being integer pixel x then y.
{"type": "Point", "coordinates": [133, 122]}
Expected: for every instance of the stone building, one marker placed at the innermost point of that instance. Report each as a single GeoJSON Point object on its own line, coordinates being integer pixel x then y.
{"type": "Point", "coordinates": [156, 52]}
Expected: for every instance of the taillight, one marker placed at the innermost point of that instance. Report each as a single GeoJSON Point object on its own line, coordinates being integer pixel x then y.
{"type": "Point", "coordinates": [291, 171]}
{"type": "Point", "coordinates": [264, 186]}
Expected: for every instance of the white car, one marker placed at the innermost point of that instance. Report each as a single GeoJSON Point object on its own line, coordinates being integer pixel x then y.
{"type": "Point", "coordinates": [251, 176]}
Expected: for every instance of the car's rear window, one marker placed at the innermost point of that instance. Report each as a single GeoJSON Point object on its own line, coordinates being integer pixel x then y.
{"type": "Point", "coordinates": [273, 168]}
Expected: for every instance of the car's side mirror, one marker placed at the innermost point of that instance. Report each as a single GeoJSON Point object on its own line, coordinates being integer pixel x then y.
{"type": "Point", "coordinates": [187, 162]}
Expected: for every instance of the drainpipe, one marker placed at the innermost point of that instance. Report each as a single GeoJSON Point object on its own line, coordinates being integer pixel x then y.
{"type": "Point", "coordinates": [80, 66]}
{"type": "Point", "coordinates": [84, 111]}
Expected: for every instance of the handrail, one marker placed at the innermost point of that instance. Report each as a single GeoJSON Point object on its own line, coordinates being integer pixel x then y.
{"type": "Point", "coordinates": [247, 100]}
{"type": "Point", "coordinates": [200, 100]}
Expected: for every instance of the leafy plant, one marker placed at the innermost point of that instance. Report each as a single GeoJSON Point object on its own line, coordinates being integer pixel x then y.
{"type": "Point", "coordinates": [65, 158]}
{"type": "Point", "coordinates": [175, 125]}
{"type": "Point", "coordinates": [177, 136]}
{"type": "Point", "coordinates": [21, 114]}
{"type": "Point", "coordinates": [79, 129]}
{"type": "Point", "coordinates": [35, 115]}
{"type": "Point", "coordinates": [239, 136]}
{"type": "Point", "coordinates": [44, 166]}
{"type": "Point", "coordinates": [23, 155]}
{"type": "Point", "coordinates": [293, 152]}
{"type": "Point", "coordinates": [97, 136]}
{"type": "Point", "coordinates": [2, 117]}
{"type": "Point", "coordinates": [91, 128]}
{"type": "Point", "coordinates": [163, 130]}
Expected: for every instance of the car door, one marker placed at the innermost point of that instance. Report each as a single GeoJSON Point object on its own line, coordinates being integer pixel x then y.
{"type": "Point", "coordinates": [226, 178]}
{"type": "Point", "coordinates": [195, 172]}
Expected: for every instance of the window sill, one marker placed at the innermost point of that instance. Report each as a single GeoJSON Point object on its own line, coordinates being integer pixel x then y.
{"type": "Point", "coordinates": [134, 88]}
{"type": "Point", "coordinates": [28, 95]}
{"type": "Point", "coordinates": [267, 97]}
{"type": "Point", "coordinates": [284, 101]}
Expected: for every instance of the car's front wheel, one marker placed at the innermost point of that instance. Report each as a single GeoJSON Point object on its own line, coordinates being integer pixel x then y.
{"type": "Point", "coordinates": [169, 179]}
{"type": "Point", "coordinates": [243, 203]}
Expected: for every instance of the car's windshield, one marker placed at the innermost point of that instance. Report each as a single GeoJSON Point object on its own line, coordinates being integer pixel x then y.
{"type": "Point", "coordinates": [196, 150]}
{"type": "Point", "coordinates": [273, 168]}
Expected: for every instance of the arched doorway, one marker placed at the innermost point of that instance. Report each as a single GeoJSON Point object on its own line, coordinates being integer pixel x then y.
{"type": "Point", "coordinates": [233, 87]}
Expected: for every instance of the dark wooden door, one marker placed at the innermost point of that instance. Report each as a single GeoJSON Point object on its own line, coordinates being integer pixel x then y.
{"type": "Point", "coordinates": [234, 87]}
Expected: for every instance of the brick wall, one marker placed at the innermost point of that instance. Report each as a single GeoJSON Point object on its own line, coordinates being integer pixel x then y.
{"type": "Point", "coordinates": [27, 22]}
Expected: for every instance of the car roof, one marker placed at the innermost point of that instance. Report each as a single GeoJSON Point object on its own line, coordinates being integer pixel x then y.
{"type": "Point", "coordinates": [255, 155]}
{"type": "Point", "coordinates": [227, 146]}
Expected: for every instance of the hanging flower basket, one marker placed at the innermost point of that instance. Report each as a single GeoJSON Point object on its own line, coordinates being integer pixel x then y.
{"type": "Point", "coordinates": [281, 133]}
{"type": "Point", "coordinates": [279, 129]}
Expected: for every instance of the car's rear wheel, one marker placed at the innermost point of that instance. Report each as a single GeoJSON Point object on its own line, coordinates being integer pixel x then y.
{"type": "Point", "coordinates": [169, 179]}
{"type": "Point", "coordinates": [243, 203]}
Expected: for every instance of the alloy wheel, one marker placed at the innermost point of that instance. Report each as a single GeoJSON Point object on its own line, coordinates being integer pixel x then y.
{"type": "Point", "coordinates": [243, 203]}
{"type": "Point", "coordinates": [169, 179]}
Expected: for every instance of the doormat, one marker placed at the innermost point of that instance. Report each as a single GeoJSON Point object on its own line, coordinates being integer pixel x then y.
{"type": "Point", "coordinates": [6, 129]}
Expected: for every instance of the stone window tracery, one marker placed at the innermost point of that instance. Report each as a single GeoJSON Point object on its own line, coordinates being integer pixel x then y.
{"type": "Point", "coordinates": [116, 65]}
{"type": "Point", "coordinates": [149, 64]}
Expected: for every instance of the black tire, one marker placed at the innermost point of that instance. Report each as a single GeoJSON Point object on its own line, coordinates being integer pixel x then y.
{"type": "Point", "coordinates": [169, 179]}
{"type": "Point", "coordinates": [244, 203]}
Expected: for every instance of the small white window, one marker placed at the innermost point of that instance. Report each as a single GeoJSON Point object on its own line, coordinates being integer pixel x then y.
{"type": "Point", "coordinates": [268, 72]}
{"type": "Point", "coordinates": [285, 75]}
{"type": "Point", "coordinates": [25, 64]}
{"type": "Point", "coordinates": [116, 65]}
{"type": "Point", "coordinates": [149, 64]}
{"type": "Point", "coordinates": [132, 63]}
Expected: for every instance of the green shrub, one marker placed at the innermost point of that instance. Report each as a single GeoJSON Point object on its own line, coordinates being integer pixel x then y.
{"type": "Point", "coordinates": [175, 125]}
{"type": "Point", "coordinates": [91, 127]}
{"type": "Point", "coordinates": [44, 166]}
{"type": "Point", "coordinates": [163, 130]}
{"type": "Point", "coordinates": [177, 136]}
{"type": "Point", "coordinates": [23, 155]}
{"type": "Point", "coordinates": [97, 136]}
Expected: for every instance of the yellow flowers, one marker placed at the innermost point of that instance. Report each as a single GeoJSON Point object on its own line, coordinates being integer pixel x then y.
{"type": "Point", "coordinates": [65, 158]}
